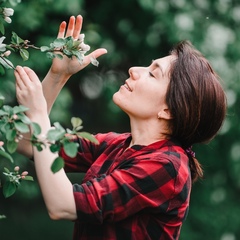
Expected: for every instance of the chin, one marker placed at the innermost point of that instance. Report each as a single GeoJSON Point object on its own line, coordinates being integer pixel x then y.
{"type": "Point", "coordinates": [117, 100]}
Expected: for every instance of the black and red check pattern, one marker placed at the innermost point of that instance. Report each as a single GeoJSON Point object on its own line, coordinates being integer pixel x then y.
{"type": "Point", "coordinates": [133, 193]}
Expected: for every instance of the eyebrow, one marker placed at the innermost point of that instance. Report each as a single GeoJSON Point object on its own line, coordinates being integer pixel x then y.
{"type": "Point", "coordinates": [157, 65]}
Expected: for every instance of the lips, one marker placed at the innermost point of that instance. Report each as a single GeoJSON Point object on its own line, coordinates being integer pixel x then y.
{"type": "Point", "coordinates": [127, 87]}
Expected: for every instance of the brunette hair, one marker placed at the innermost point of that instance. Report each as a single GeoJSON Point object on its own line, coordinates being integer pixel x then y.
{"type": "Point", "coordinates": [195, 99]}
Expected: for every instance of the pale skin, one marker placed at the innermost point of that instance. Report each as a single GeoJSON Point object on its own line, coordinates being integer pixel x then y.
{"type": "Point", "coordinates": [56, 188]}
{"type": "Point", "coordinates": [142, 98]}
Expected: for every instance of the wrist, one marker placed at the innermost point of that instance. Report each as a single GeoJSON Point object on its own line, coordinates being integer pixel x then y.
{"type": "Point", "coordinates": [58, 77]}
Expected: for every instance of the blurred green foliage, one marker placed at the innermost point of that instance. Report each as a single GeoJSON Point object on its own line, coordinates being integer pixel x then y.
{"type": "Point", "coordinates": [134, 32]}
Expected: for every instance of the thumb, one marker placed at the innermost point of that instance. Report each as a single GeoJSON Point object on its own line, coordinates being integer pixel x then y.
{"type": "Point", "coordinates": [95, 54]}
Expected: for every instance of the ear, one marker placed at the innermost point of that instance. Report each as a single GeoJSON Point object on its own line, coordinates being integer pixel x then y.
{"type": "Point", "coordinates": [165, 114]}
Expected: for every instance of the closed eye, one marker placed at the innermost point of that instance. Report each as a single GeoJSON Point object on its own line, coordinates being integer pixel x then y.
{"type": "Point", "coordinates": [151, 75]}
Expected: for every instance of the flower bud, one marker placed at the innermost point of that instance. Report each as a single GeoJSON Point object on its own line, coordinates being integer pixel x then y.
{"type": "Point", "coordinates": [2, 45]}
{"type": "Point", "coordinates": [42, 137]}
{"type": "Point", "coordinates": [1, 143]}
{"type": "Point", "coordinates": [7, 53]}
{"type": "Point", "coordinates": [84, 47]}
{"type": "Point", "coordinates": [81, 37]}
{"type": "Point", "coordinates": [8, 12]}
{"type": "Point", "coordinates": [16, 169]}
{"type": "Point", "coordinates": [15, 116]}
{"type": "Point", "coordinates": [25, 173]}
{"type": "Point", "coordinates": [20, 136]}
{"type": "Point", "coordinates": [8, 19]}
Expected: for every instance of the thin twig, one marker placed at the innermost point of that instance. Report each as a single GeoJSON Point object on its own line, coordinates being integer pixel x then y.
{"type": "Point", "coordinates": [7, 63]}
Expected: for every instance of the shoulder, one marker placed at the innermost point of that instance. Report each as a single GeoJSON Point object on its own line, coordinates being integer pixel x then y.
{"type": "Point", "coordinates": [112, 137]}
{"type": "Point", "coordinates": [174, 159]}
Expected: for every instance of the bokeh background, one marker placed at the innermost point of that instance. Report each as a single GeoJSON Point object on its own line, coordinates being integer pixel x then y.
{"type": "Point", "coordinates": [135, 32]}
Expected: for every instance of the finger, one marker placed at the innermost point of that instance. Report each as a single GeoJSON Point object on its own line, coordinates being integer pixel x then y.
{"type": "Point", "coordinates": [70, 27]}
{"type": "Point", "coordinates": [95, 54]}
{"type": "Point", "coordinates": [21, 77]}
{"type": "Point", "coordinates": [31, 75]}
{"type": "Point", "coordinates": [19, 84]}
{"type": "Point", "coordinates": [61, 30]}
{"type": "Point", "coordinates": [78, 27]}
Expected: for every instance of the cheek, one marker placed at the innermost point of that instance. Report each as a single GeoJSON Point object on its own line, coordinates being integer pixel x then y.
{"type": "Point", "coordinates": [155, 96]}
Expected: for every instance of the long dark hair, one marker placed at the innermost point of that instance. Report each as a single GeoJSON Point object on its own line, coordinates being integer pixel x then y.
{"type": "Point", "coordinates": [195, 99]}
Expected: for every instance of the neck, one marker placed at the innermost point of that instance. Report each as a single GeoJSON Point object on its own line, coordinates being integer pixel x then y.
{"type": "Point", "coordinates": [146, 132]}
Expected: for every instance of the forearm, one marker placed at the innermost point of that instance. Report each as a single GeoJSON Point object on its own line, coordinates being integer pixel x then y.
{"type": "Point", "coordinates": [52, 84]}
{"type": "Point", "coordinates": [56, 188]}
{"type": "Point", "coordinates": [25, 146]}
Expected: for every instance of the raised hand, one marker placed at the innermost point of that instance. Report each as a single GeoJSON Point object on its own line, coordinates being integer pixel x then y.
{"type": "Point", "coordinates": [29, 91]}
{"type": "Point", "coordinates": [66, 66]}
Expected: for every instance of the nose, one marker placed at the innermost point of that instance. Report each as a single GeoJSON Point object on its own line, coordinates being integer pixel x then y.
{"type": "Point", "coordinates": [134, 73]}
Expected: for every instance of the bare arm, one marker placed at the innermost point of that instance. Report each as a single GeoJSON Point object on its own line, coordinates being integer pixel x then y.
{"type": "Point", "coordinates": [62, 69]}
{"type": "Point", "coordinates": [56, 188]}
{"type": "Point", "coordinates": [60, 72]}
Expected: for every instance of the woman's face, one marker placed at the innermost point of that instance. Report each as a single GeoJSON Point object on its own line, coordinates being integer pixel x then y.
{"type": "Point", "coordinates": [144, 92]}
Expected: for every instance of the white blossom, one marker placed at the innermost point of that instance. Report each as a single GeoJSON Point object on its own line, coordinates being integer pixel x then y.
{"type": "Point", "coordinates": [8, 19]}
{"type": "Point", "coordinates": [81, 37]}
{"type": "Point", "coordinates": [84, 47]}
{"type": "Point", "coordinates": [7, 12]}
{"type": "Point", "coordinates": [94, 61]}
{"type": "Point", "coordinates": [2, 45]}
{"type": "Point", "coordinates": [7, 53]}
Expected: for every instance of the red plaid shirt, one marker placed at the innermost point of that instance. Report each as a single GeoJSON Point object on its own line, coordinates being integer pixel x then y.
{"type": "Point", "coordinates": [137, 193]}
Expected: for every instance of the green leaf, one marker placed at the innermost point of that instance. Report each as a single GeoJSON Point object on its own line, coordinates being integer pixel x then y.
{"type": "Point", "coordinates": [78, 128]}
{"type": "Point", "coordinates": [14, 2]}
{"type": "Point", "coordinates": [50, 55]}
{"type": "Point", "coordinates": [55, 134]}
{"type": "Point", "coordinates": [3, 113]}
{"type": "Point", "coordinates": [1, 100]}
{"type": "Point", "coordinates": [69, 42]}
{"type": "Point", "coordinates": [76, 122]}
{"type": "Point", "coordinates": [24, 118]}
{"type": "Point", "coordinates": [39, 146]}
{"type": "Point", "coordinates": [6, 155]}
{"type": "Point", "coordinates": [6, 63]}
{"type": "Point", "coordinates": [44, 48]}
{"type": "Point", "coordinates": [20, 108]}
{"type": "Point", "coordinates": [11, 134]}
{"type": "Point", "coordinates": [16, 39]}
{"type": "Point", "coordinates": [60, 56]}
{"type": "Point", "coordinates": [24, 54]}
{"type": "Point", "coordinates": [6, 170]}
{"type": "Point", "coordinates": [57, 165]}
{"type": "Point", "coordinates": [2, 29]}
{"type": "Point", "coordinates": [88, 136]}
{"type": "Point", "coordinates": [28, 178]}
{"type": "Point", "coordinates": [9, 188]}
{"type": "Point", "coordinates": [36, 128]}
{"type": "Point", "coordinates": [54, 148]}
{"type": "Point", "coordinates": [71, 148]}
{"type": "Point", "coordinates": [67, 53]}
{"type": "Point", "coordinates": [7, 109]}
{"type": "Point", "coordinates": [2, 70]}
{"type": "Point", "coordinates": [59, 42]}
{"type": "Point", "coordinates": [5, 126]}
{"type": "Point", "coordinates": [58, 126]}
{"type": "Point", "coordinates": [21, 127]}
{"type": "Point", "coordinates": [12, 146]}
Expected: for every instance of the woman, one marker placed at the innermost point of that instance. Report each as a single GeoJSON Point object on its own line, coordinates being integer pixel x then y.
{"type": "Point", "coordinates": [137, 185]}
